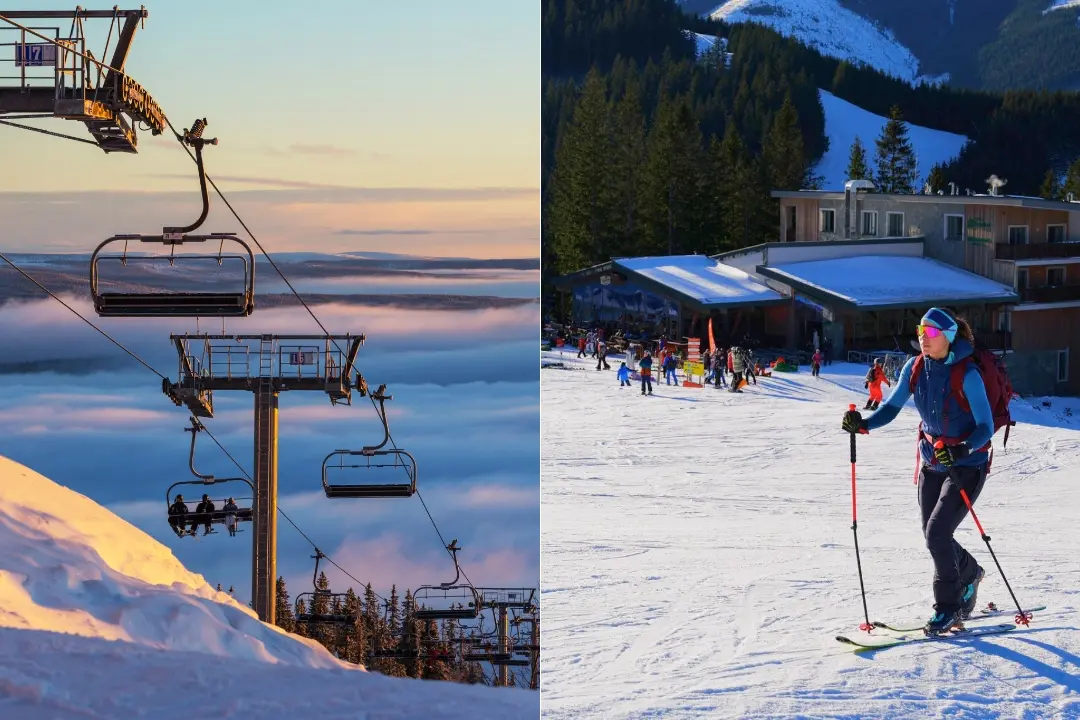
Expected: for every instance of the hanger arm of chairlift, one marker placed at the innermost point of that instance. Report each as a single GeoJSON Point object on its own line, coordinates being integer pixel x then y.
{"type": "Point", "coordinates": [194, 138]}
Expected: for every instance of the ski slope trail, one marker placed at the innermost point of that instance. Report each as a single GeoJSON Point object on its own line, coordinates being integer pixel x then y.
{"type": "Point", "coordinates": [698, 556]}
{"type": "Point", "coordinates": [99, 620]}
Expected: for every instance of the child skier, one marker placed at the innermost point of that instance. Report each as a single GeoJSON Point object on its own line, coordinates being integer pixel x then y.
{"type": "Point", "coordinates": [669, 370]}
{"type": "Point", "coordinates": [815, 364]}
{"type": "Point", "coordinates": [624, 375]}
{"type": "Point", "coordinates": [874, 377]}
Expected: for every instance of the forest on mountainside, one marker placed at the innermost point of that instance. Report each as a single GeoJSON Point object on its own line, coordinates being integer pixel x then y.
{"type": "Point", "coordinates": [987, 44]}
{"type": "Point", "coordinates": [648, 149]}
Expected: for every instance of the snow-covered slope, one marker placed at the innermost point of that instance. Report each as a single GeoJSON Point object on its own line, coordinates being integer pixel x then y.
{"type": "Point", "coordinates": [844, 121]}
{"type": "Point", "coordinates": [101, 620]}
{"type": "Point", "coordinates": [829, 28]}
{"type": "Point", "coordinates": [698, 556]}
{"type": "Point", "coordinates": [1062, 5]}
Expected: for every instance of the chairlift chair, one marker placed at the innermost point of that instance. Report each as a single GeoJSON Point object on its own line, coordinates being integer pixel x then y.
{"type": "Point", "coordinates": [218, 516]}
{"type": "Point", "coordinates": [373, 459]}
{"type": "Point", "coordinates": [216, 303]}
{"type": "Point", "coordinates": [451, 600]}
{"type": "Point", "coordinates": [305, 602]}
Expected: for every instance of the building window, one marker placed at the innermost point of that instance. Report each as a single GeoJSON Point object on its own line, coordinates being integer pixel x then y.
{"type": "Point", "coordinates": [1021, 278]}
{"type": "Point", "coordinates": [869, 222]}
{"type": "Point", "coordinates": [1063, 365]}
{"type": "Point", "coordinates": [894, 222]}
{"type": "Point", "coordinates": [1055, 233]}
{"type": "Point", "coordinates": [828, 221]}
{"type": "Point", "coordinates": [1018, 234]}
{"type": "Point", "coordinates": [1004, 321]}
{"type": "Point", "coordinates": [954, 227]}
{"type": "Point", "coordinates": [1055, 276]}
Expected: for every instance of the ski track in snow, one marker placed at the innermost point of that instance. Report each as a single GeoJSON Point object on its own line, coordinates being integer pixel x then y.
{"type": "Point", "coordinates": [698, 556]}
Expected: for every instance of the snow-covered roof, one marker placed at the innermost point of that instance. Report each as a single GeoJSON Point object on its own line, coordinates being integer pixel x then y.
{"type": "Point", "coordinates": [700, 280]}
{"type": "Point", "coordinates": [880, 281]}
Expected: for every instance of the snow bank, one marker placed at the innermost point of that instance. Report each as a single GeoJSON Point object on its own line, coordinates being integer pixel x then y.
{"type": "Point", "coordinates": [99, 620]}
{"type": "Point", "coordinates": [829, 28]}
{"type": "Point", "coordinates": [844, 121]}
{"type": "Point", "coordinates": [68, 565]}
{"type": "Point", "coordinates": [1062, 5]}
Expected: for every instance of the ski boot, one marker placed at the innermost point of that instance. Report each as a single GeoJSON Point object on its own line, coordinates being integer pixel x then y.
{"type": "Point", "coordinates": [971, 593]}
{"type": "Point", "coordinates": [943, 622]}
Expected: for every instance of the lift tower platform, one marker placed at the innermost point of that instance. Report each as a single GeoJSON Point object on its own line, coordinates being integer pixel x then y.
{"type": "Point", "coordinates": [48, 71]}
{"type": "Point", "coordinates": [265, 365]}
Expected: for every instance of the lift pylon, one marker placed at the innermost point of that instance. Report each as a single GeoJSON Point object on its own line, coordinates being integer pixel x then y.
{"type": "Point", "coordinates": [264, 365]}
{"type": "Point", "coordinates": [50, 72]}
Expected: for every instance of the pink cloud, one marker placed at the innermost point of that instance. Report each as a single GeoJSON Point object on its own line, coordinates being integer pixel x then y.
{"type": "Point", "coordinates": [384, 561]}
{"type": "Point", "coordinates": [503, 496]}
{"type": "Point", "coordinates": [26, 418]}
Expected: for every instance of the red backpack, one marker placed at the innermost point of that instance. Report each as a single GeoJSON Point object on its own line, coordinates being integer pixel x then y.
{"type": "Point", "coordinates": [995, 377]}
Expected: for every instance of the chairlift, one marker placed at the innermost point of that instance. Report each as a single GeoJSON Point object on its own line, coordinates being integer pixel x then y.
{"type": "Point", "coordinates": [372, 460]}
{"type": "Point", "coordinates": [219, 516]}
{"type": "Point", "coordinates": [172, 303]}
{"type": "Point", "coordinates": [447, 600]}
{"type": "Point", "coordinates": [307, 602]}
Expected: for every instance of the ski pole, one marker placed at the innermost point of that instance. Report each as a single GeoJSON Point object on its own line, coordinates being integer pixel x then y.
{"type": "Point", "coordinates": [1021, 618]}
{"type": "Point", "coordinates": [855, 530]}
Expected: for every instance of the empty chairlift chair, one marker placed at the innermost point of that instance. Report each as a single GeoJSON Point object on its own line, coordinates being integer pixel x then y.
{"type": "Point", "coordinates": [447, 600]}
{"type": "Point", "coordinates": [323, 606]}
{"type": "Point", "coordinates": [372, 463]}
{"type": "Point", "coordinates": [137, 300]}
{"type": "Point", "coordinates": [219, 516]}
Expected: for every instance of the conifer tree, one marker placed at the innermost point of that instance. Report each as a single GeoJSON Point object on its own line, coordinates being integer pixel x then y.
{"type": "Point", "coordinates": [895, 156]}
{"type": "Point", "coordinates": [356, 638]}
{"type": "Point", "coordinates": [578, 216]}
{"type": "Point", "coordinates": [671, 203]}
{"type": "Point", "coordinates": [857, 168]}
{"type": "Point", "coordinates": [936, 179]}
{"type": "Point", "coordinates": [1051, 186]}
{"type": "Point", "coordinates": [283, 612]}
{"type": "Point", "coordinates": [783, 150]}
{"type": "Point", "coordinates": [626, 166]}
{"type": "Point", "coordinates": [1072, 181]}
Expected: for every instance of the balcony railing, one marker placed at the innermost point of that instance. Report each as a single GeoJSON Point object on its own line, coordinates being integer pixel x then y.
{"type": "Point", "coordinates": [1063, 293]}
{"type": "Point", "coordinates": [1037, 251]}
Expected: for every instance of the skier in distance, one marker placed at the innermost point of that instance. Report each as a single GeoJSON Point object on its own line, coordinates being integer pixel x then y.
{"type": "Point", "coordinates": [960, 463]}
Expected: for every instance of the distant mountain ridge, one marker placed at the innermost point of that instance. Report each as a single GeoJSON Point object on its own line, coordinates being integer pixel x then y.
{"type": "Point", "coordinates": [978, 44]}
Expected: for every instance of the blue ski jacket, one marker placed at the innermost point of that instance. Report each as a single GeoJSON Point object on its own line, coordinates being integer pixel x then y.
{"type": "Point", "coordinates": [940, 411]}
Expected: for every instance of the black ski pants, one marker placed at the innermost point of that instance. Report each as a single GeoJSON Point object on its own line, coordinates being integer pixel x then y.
{"type": "Point", "coordinates": [942, 511]}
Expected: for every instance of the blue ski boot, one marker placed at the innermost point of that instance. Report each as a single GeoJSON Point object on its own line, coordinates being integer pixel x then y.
{"type": "Point", "coordinates": [971, 593]}
{"type": "Point", "coordinates": [942, 622]}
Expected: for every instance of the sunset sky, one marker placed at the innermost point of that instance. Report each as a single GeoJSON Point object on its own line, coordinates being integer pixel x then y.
{"type": "Point", "coordinates": [409, 126]}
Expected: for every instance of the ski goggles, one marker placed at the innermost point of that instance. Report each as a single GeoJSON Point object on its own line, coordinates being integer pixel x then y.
{"type": "Point", "coordinates": [929, 331]}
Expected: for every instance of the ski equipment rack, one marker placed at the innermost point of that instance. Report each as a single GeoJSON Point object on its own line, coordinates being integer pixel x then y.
{"type": "Point", "coordinates": [458, 602]}
{"type": "Point", "coordinates": [373, 458]}
{"type": "Point", "coordinates": [171, 303]}
{"type": "Point", "coordinates": [218, 516]}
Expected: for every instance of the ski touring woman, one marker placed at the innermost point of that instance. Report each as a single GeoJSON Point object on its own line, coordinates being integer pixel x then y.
{"type": "Point", "coordinates": [960, 463]}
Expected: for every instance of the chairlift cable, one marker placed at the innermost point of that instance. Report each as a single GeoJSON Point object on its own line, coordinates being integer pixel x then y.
{"type": "Point", "coordinates": [306, 307]}
{"type": "Point", "coordinates": [79, 315]}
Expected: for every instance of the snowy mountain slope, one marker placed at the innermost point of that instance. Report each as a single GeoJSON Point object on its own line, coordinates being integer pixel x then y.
{"type": "Point", "coordinates": [828, 27]}
{"type": "Point", "coordinates": [100, 618]}
{"type": "Point", "coordinates": [1062, 5]}
{"type": "Point", "coordinates": [698, 557]}
{"type": "Point", "coordinates": [844, 121]}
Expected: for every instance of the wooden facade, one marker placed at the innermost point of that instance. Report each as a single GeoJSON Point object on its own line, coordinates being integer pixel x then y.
{"type": "Point", "coordinates": [1052, 329]}
{"type": "Point", "coordinates": [799, 221]}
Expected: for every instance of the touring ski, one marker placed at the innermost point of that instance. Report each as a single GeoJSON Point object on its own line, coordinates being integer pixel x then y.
{"type": "Point", "coordinates": [991, 611]}
{"type": "Point", "coordinates": [879, 642]}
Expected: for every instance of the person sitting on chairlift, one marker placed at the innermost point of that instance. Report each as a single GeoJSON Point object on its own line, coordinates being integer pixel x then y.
{"type": "Point", "coordinates": [230, 516]}
{"type": "Point", "coordinates": [203, 513]}
{"type": "Point", "coordinates": [178, 515]}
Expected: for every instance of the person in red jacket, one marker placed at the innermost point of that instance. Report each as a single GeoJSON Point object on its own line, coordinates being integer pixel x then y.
{"type": "Point", "coordinates": [874, 377]}
{"type": "Point", "coordinates": [815, 363]}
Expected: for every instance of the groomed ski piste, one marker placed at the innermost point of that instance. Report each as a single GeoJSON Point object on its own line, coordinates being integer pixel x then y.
{"type": "Point", "coordinates": [99, 621]}
{"type": "Point", "coordinates": [699, 560]}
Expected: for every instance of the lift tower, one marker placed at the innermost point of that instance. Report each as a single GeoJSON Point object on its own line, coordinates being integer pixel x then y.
{"type": "Point", "coordinates": [50, 72]}
{"type": "Point", "coordinates": [265, 365]}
